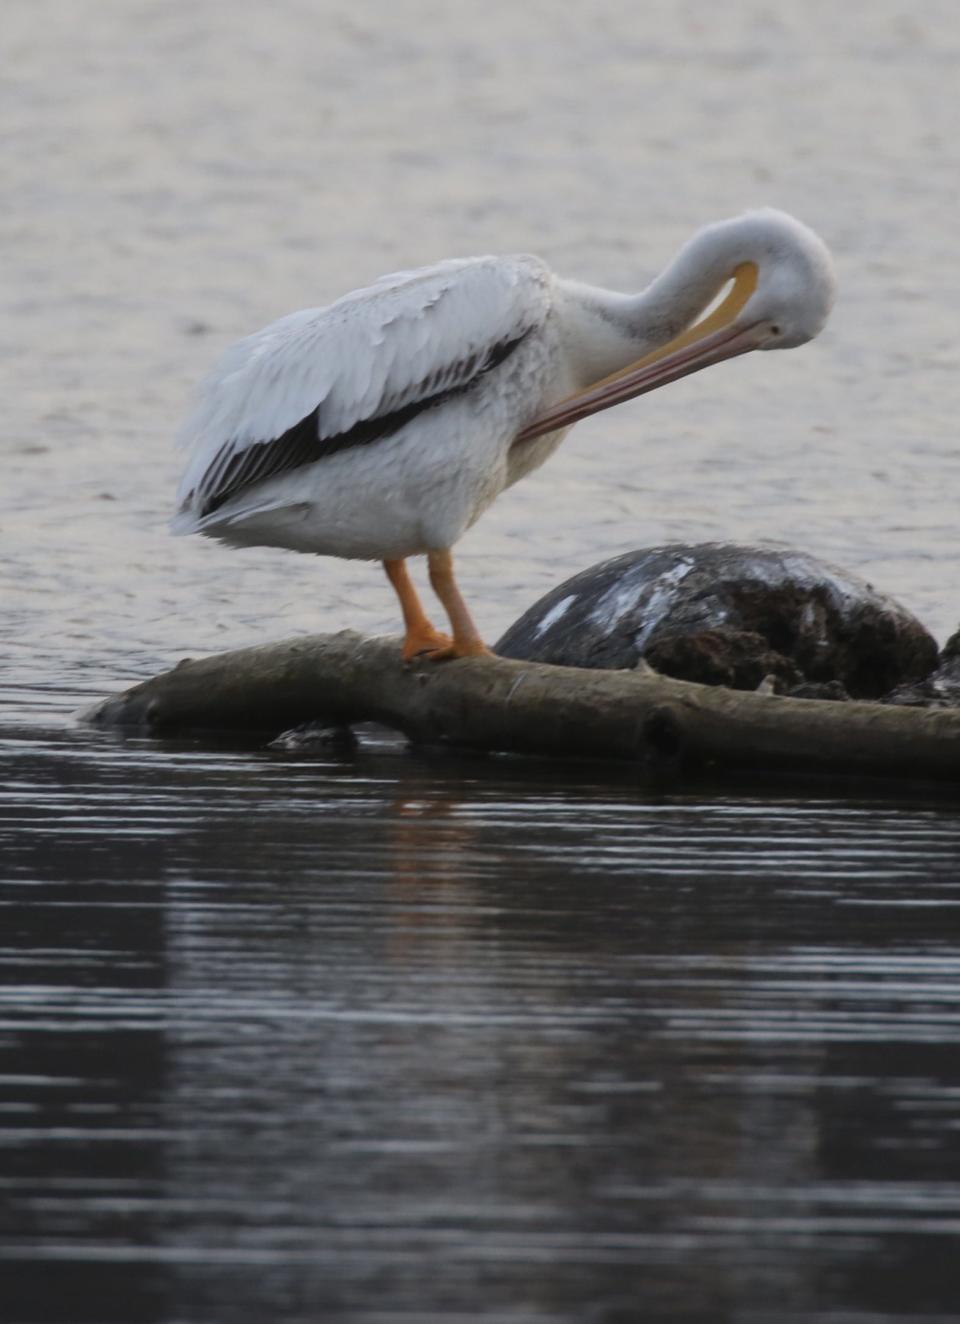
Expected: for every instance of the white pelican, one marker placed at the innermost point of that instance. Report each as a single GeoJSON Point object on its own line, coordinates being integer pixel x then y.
{"type": "Point", "coordinates": [382, 426]}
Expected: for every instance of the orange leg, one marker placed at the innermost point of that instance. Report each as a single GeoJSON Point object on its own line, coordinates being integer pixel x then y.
{"type": "Point", "coordinates": [466, 638]}
{"type": "Point", "coordinates": [421, 638]}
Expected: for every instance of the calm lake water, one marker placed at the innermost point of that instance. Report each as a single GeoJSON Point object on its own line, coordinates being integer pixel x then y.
{"type": "Point", "coordinates": [407, 1039]}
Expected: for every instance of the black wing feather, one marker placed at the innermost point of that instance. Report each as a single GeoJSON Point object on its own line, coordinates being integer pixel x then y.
{"type": "Point", "coordinates": [231, 472]}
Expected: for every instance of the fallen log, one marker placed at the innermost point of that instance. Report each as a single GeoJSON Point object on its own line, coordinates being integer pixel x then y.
{"type": "Point", "coordinates": [499, 704]}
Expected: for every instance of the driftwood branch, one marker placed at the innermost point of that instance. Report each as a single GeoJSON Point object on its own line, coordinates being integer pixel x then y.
{"type": "Point", "coordinates": [532, 708]}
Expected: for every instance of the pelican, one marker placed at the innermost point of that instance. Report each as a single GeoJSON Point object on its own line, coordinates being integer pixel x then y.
{"type": "Point", "coordinates": [381, 427]}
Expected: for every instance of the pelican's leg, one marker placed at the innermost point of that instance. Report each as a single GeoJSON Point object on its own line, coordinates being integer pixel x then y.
{"type": "Point", "coordinates": [421, 636]}
{"type": "Point", "coordinates": [466, 638]}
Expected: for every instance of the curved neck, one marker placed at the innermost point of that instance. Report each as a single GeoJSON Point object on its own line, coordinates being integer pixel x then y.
{"type": "Point", "coordinates": [684, 288]}
{"type": "Point", "coordinates": [608, 332]}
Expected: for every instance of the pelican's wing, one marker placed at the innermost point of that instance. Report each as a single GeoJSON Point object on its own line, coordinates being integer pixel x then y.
{"type": "Point", "coordinates": [326, 378]}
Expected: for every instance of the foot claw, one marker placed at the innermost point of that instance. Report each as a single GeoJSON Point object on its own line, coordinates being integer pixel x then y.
{"type": "Point", "coordinates": [475, 648]}
{"type": "Point", "coordinates": [441, 648]}
{"type": "Point", "coordinates": [432, 646]}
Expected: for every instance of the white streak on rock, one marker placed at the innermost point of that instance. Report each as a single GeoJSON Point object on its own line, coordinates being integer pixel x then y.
{"type": "Point", "coordinates": [554, 614]}
{"type": "Point", "coordinates": [620, 599]}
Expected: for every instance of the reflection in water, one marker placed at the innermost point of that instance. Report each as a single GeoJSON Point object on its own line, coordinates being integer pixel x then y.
{"type": "Point", "coordinates": [82, 1053]}
{"type": "Point", "coordinates": [409, 1038]}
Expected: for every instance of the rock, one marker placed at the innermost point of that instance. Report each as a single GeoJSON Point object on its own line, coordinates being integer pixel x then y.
{"type": "Point", "coordinates": [729, 614]}
{"type": "Point", "coordinates": [739, 659]}
{"type": "Point", "coordinates": [313, 736]}
{"type": "Point", "coordinates": [941, 689]}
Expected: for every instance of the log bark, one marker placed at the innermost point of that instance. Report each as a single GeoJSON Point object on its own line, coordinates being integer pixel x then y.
{"type": "Point", "coordinates": [535, 708]}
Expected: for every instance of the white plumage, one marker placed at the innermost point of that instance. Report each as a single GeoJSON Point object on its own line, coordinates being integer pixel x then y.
{"type": "Point", "coordinates": [382, 426]}
{"type": "Point", "coordinates": [410, 334]}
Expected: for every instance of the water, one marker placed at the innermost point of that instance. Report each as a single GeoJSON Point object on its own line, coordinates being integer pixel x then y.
{"type": "Point", "coordinates": [386, 1037]}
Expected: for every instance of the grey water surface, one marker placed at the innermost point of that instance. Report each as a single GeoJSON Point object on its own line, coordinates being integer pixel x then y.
{"type": "Point", "coordinates": [411, 1037]}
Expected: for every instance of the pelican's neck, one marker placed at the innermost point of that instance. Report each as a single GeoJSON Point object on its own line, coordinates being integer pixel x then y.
{"type": "Point", "coordinates": [605, 331]}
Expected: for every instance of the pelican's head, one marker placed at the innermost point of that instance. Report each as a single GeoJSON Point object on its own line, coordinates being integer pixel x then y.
{"type": "Point", "coordinates": [778, 284]}
{"type": "Point", "coordinates": [785, 272]}
{"type": "Point", "coordinates": [780, 280]}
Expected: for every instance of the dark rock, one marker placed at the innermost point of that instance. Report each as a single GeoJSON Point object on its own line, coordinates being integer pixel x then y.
{"type": "Point", "coordinates": [941, 689]}
{"type": "Point", "coordinates": [314, 736]}
{"type": "Point", "coordinates": [722, 613]}
{"type": "Point", "coordinates": [739, 659]}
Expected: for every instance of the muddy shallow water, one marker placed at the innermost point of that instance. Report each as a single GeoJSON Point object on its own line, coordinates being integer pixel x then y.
{"type": "Point", "coordinates": [409, 1038]}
